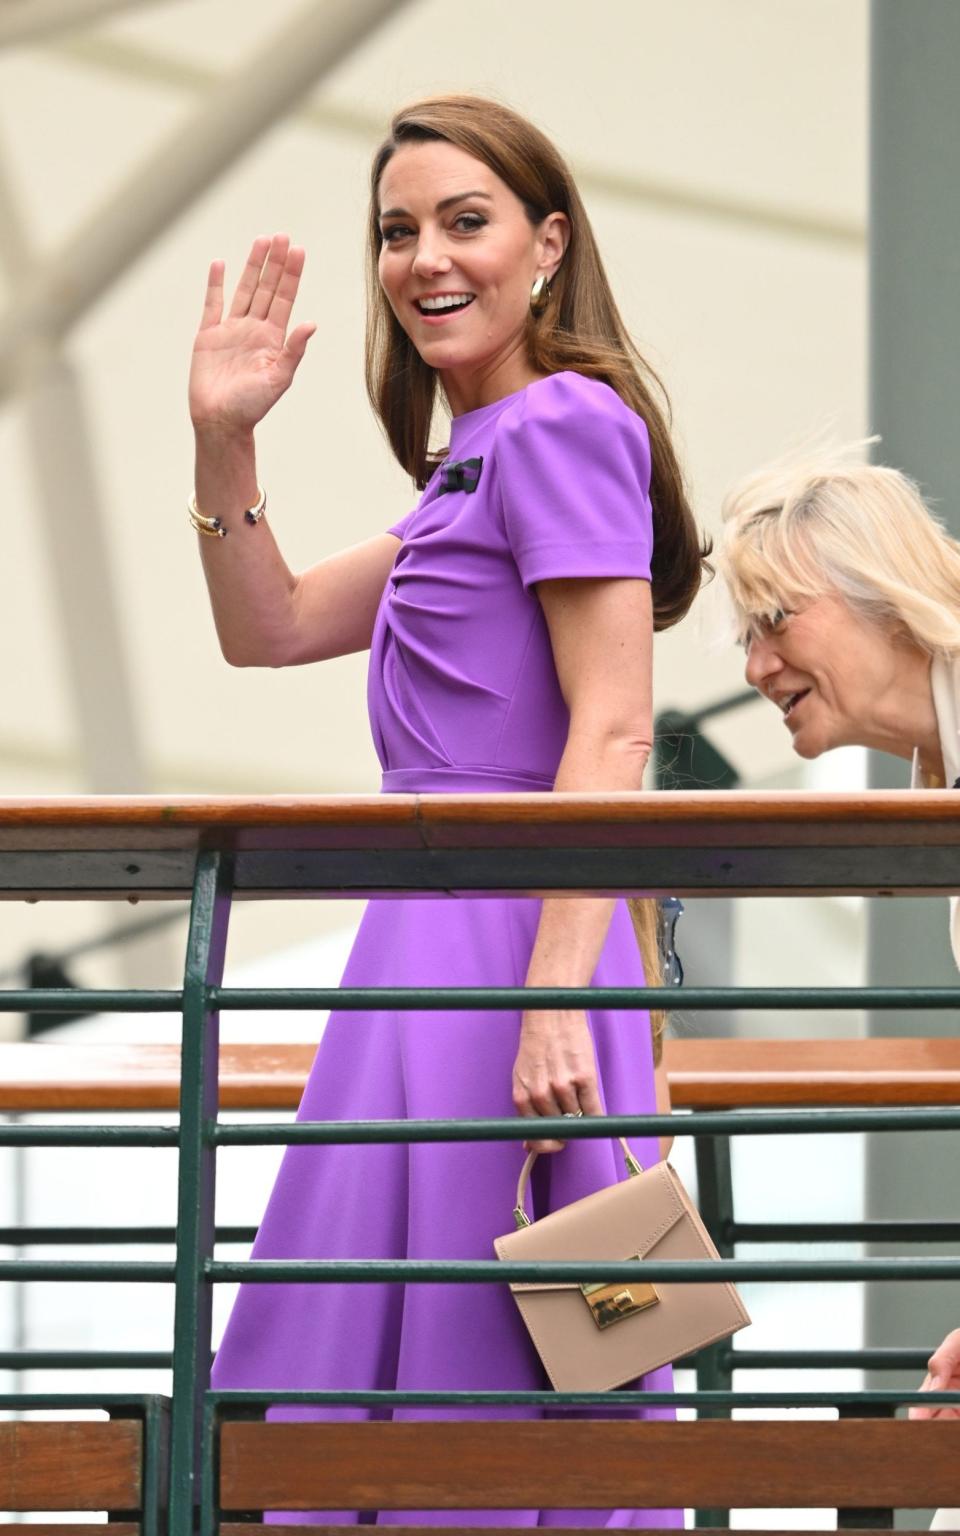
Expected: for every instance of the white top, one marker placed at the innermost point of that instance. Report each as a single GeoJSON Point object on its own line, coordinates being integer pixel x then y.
{"type": "Point", "coordinates": [945, 686]}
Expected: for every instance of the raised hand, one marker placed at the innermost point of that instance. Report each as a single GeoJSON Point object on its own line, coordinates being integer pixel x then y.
{"type": "Point", "coordinates": [243, 362]}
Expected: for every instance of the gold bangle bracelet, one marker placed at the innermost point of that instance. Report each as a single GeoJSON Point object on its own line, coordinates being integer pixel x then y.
{"type": "Point", "coordinates": [214, 525]}
{"type": "Point", "coordinates": [208, 522]}
{"type": "Point", "coordinates": [206, 527]}
{"type": "Point", "coordinates": [252, 515]}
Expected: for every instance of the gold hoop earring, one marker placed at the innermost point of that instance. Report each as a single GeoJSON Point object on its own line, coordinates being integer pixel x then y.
{"type": "Point", "coordinates": [540, 295]}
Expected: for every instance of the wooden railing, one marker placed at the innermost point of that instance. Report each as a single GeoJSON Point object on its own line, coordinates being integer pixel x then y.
{"type": "Point", "coordinates": [677, 844]}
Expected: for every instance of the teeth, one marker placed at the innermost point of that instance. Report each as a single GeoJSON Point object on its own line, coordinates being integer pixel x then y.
{"type": "Point", "coordinates": [446, 301]}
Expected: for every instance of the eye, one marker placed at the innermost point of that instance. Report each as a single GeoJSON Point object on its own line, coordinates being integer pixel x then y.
{"type": "Point", "coordinates": [394, 233]}
{"type": "Point", "coordinates": [469, 223]}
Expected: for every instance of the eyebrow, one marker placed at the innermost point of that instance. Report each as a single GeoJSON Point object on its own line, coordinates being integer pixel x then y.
{"type": "Point", "coordinates": [447, 202]}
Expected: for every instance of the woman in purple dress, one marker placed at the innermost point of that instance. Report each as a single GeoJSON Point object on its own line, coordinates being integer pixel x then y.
{"type": "Point", "coordinates": [509, 619]}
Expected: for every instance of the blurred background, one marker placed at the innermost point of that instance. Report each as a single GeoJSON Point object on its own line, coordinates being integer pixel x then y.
{"type": "Point", "coordinates": [722, 151]}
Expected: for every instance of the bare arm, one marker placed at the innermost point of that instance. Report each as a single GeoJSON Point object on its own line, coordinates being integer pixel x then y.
{"type": "Point", "coordinates": [243, 361]}
{"type": "Point", "coordinates": [601, 634]}
{"type": "Point", "coordinates": [264, 614]}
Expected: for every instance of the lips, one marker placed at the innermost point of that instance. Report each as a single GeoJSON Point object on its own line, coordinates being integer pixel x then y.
{"type": "Point", "coordinates": [789, 704]}
{"type": "Point", "coordinates": [433, 305]}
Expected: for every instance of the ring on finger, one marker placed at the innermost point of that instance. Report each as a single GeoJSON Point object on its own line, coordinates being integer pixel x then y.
{"type": "Point", "coordinates": [573, 1114]}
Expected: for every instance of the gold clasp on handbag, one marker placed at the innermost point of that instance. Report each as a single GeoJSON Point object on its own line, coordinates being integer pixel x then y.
{"type": "Point", "coordinates": [610, 1304]}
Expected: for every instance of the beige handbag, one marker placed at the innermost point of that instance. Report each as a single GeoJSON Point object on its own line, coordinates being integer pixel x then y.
{"type": "Point", "coordinates": [592, 1337]}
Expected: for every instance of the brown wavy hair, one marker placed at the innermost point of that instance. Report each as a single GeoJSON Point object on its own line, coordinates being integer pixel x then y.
{"type": "Point", "coordinates": [580, 331]}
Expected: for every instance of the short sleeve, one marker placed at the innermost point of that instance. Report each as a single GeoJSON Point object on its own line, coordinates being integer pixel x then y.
{"type": "Point", "coordinates": [573, 464]}
{"type": "Point", "coordinates": [399, 530]}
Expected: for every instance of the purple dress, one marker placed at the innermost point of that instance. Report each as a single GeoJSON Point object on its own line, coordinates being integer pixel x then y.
{"type": "Point", "coordinates": [463, 697]}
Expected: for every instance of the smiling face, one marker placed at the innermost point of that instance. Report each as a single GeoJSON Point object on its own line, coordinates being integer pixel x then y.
{"type": "Point", "coordinates": [457, 263]}
{"type": "Point", "coordinates": [837, 677]}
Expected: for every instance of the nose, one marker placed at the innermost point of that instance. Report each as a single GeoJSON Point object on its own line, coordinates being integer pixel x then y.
{"type": "Point", "coordinates": [431, 256]}
{"type": "Point", "coordinates": [763, 663]}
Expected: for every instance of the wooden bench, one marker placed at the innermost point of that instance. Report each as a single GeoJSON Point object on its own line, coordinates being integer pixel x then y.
{"type": "Point", "coordinates": [84, 1465]}
{"type": "Point", "coordinates": [448, 1466]}
{"type": "Point", "coordinates": [851, 1464]}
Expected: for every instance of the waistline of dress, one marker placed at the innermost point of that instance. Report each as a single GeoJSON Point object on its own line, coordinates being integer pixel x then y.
{"type": "Point", "coordinates": [462, 781]}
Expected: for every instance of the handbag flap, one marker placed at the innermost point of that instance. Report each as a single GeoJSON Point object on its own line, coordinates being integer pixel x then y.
{"type": "Point", "coordinates": [623, 1221]}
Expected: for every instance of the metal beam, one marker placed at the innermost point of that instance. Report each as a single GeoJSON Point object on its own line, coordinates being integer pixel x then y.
{"type": "Point", "coordinates": [131, 61]}
{"type": "Point", "coordinates": [93, 644]}
{"type": "Point", "coordinates": [16, 254]}
{"type": "Point", "coordinates": [25, 22]}
{"type": "Point", "coordinates": [28, 21]}
{"type": "Point", "coordinates": [162, 187]}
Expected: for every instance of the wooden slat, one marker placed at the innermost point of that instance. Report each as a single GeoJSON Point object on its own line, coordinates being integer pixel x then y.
{"type": "Point", "coordinates": [728, 1074]}
{"type": "Point", "coordinates": [115, 1528]}
{"type": "Point", "coordinates": [176, 821]}
{"type": "Point", "coordinates": [703, 1074]}
{"type": "Point", "coordinates": [250, 1528]}
{"type": "Point", "coordinates": [119, 1077]}
{"type": "Point", "coordinates": [590, 1465]}
{"type": "Point", "coordinates": [83, 1465]}
{"type": "Point", "coordinates": [695, 842]}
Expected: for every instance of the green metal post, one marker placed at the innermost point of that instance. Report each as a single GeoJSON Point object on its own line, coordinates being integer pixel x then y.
{"type": "Point", "coordinates": [715, 1199]}
{"type": "Point", "coordinates": [209, 1471]}
{"type": "Point", "coordinates": [206, 946]}
{"type": "Point", "coordinates": [156, 1445]}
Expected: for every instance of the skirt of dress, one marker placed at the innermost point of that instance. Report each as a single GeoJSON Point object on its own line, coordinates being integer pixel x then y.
{"type": "Point", "coordinates": [430, 1201]}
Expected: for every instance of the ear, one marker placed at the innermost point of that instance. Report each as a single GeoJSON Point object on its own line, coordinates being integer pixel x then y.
{"type": "Point", "coordinates": [553, 237]}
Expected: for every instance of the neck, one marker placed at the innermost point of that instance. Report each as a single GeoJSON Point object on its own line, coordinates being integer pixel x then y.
{"type": "Point", "coordinates": [904, 719]}
{"type": "Point", "coordinates": [469, 390]}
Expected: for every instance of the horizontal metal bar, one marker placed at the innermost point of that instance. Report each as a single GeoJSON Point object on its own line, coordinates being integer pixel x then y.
{"type": "Point", "coordinates": [733, 1359]}
{"type": "Point", "coordinates": [42, 1237]}
{"type": "Point", "coordinates": [842, 1231]}
{"type": "Point", "coordinates": [701, 1123]}
{"type": "Point", "coordinates": [492, 1271]}
{"type": "Point", "coordinates": [89, 1136]}
{"type": "Point", "coordinates": [29, 1401]}
{"type": "Point", "coordinates": [226, 1401]}
{"type": "Point", "coordinates": [452, 999]}
{"type": "Point", "coordinates": [825, 1359]}
{"type": "Point", "coordinates": [687, 999]}
{"type": "Point", "coordinates": [85, 1360]}
{"type": "Point", "coordinates": [143, 1271]}
{"type": "Point", "coordinates": [73, 999]}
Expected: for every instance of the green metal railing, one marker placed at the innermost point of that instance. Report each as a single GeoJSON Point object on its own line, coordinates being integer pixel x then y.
{"type": "Point", "coordinates": [180, 1463]}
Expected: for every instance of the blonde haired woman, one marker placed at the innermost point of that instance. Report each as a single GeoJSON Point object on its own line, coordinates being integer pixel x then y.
{"type": "Point", "coordinates": [847, 596]}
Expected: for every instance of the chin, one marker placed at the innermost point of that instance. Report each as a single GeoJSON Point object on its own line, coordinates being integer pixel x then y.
{"type": "Point", "coordinates": [443, 357]}
{"type": "Point", "coordinates": [808, 746]}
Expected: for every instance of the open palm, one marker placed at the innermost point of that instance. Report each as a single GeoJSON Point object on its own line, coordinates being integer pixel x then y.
{"type": "Point", "coordinates": [243, 362]}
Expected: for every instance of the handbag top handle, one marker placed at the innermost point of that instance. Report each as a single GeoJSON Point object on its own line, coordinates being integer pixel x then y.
{"type": "Point", "coordinates": [519, 1211]}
